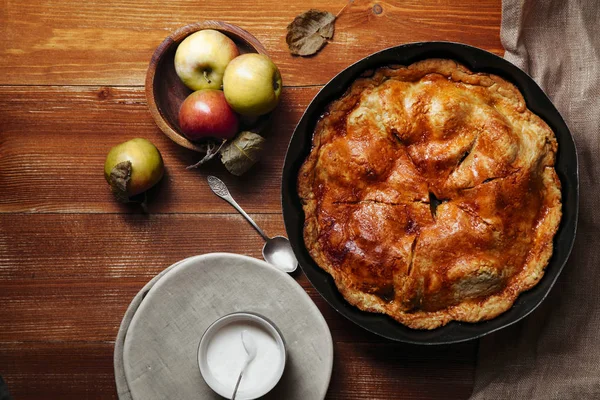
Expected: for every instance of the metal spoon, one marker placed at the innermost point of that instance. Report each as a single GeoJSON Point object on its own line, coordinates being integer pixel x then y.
{"type": "Point", "coordinates": [277, 250]}
{"type": "Point", "coordinates": [250, 347]}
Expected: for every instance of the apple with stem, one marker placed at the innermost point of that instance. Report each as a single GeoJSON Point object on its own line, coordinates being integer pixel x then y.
{"type": "Point", "coordinates": [201, 59]}
{"type": "Point", "coordinates": [252, 84]}
{"type": "Point", "coordinates": [205, 113]}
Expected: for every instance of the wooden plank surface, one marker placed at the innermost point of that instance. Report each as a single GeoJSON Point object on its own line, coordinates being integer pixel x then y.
{"type": "Point", "coordinates": [52, 160]}
{"type": "Point", "coordinates": [83, 370]}
{"type": "Point", "coordinates": [93, 277]}
{"type": "Point", "coordinates": [58, 370]}
{"type": "Point", "coordinates": [71, 258]}
{"type": "Point", "coordinates": [111, 42]}
{"type": "Point", "coordinates": [75, 306]}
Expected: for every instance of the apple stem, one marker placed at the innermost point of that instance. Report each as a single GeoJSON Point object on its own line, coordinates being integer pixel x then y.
{"type": "Point", "coordinates": [206, 76]}
{"type": "Point", "coordinates": [211, 151]}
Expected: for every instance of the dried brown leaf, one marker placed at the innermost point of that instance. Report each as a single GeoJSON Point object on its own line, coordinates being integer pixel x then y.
{"type": "Point", "coordinates": [309, 31]}
{"type": "Point", "coordinates": [242, 153]}
{"type": "Point", "coordinates": [120, 176]}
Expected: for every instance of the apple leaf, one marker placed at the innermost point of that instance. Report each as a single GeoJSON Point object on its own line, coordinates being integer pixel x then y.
{"type": "Point", "coordinates": [120, 176]}
{"type": "Point", "coordinates": [309, 31]}
{"type": "Point", "coordinates": [242, 153]}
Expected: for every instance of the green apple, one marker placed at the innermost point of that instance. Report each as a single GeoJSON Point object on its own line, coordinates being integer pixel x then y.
{"type": "Point", "coordinates": [252, 84]}
{"type": "Point", "coordinates": [201, 59]}
{"type": "Point", "coordinates": [133, 167]}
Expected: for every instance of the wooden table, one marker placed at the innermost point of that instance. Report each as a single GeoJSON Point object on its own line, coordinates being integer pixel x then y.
{"type": "Point", "coordinates": [71, 257]}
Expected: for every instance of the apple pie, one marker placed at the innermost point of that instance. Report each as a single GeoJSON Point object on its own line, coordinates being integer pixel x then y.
{"type": "Point", "coordinates": [430, 194]}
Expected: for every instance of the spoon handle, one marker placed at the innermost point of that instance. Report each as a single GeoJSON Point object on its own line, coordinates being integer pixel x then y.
{"type": "Point", "coordinates": [237, 384]}
{"type": "Point", "coordinates": [219, 188]}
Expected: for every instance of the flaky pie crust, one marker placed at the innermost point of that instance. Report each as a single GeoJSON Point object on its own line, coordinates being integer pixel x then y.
{"type": "Point", "coordinates": [430, 194]}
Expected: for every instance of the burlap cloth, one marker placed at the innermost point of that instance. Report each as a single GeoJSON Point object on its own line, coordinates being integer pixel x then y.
{"type": "Point", "coordinates": [555, 352]}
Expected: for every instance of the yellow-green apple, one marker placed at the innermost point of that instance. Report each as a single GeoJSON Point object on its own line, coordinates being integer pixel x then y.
{"type": "Point", "coordinates": [133, 167]}
{"type": "Point", "coordinates": [206, 113]}
{"type": "Point", "coordinates": [201, 59]}
{"type": "Point", "coordinates": [252, 84]}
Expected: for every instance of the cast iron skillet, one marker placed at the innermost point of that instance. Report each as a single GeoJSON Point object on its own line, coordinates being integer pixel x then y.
{"type": "Point", "coordinates": [476, 60]}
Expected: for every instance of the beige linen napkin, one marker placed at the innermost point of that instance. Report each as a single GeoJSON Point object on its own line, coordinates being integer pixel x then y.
{"type": "Point", "coordinates": [555, 352]}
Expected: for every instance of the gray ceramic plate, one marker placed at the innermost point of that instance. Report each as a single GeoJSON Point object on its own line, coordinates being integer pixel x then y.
{"type": "Point", "coordinates": [157, 346]}
{"type": "Point", "coordinates": [121, 380]}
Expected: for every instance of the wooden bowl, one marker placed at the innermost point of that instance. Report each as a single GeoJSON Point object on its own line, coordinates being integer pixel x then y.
{"type": "Point", "coordinates": [164, 90]}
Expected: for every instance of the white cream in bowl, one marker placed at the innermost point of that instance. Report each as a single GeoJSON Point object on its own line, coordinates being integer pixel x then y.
{"type": "Point", "coordinates": [221, 356]}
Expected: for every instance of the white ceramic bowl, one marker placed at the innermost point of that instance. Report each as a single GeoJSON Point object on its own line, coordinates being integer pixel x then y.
{"type": "Point", "coordinates": [260, 386]}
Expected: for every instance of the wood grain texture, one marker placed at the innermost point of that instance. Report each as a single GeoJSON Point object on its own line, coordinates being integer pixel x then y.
{"type": "Point", "coordinates": [63, 285]}
{"type": "Point", "coordinates": [83, 370]}
{"type": "Point", "coordinates": [58, 370]}
{"type": "Point", "coordinates": [60, 282]}
{"type": "Point", "coordinates": [115, 246]}
{"type": "Point", "coordinates": [54, 140]}
{"type": "Point", "coordinates": [71, 257]}
{"type": "Point", "coordinates": [111, 42]}
{"type": "Point", "coordinates": [91, 310]}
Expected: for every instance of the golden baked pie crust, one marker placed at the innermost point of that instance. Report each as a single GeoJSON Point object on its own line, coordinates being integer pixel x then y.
{"type": "Point", "coordinates": [430, 194]}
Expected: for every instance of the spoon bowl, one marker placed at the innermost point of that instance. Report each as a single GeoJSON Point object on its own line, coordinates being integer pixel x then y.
{"type": "Point", "coordinates": [278, 251]}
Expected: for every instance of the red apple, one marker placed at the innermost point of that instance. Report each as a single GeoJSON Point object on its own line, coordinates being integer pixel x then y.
{"type": "Point", "coordinates": [205, 113]}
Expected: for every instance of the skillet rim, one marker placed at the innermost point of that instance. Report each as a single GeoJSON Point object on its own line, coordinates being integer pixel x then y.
{"type": "Point", "coordinates": [477, 60]}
